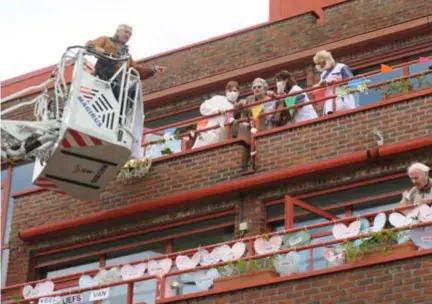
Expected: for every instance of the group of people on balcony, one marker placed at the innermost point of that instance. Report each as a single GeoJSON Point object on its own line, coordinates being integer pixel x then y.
{"type": "Point", "coordinates": [245, 120]}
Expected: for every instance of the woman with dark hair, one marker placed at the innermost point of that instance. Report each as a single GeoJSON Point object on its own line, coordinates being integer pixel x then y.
{"type": "Point", "coordinates": [286, 84]}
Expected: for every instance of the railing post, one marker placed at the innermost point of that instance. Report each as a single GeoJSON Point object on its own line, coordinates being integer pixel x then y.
{"type": "Point", "coordinates": [162, 288]}
{"type": "Point", "coordinates": [130, 293]}
{"type": "Point", "coordinates": [289, 213]}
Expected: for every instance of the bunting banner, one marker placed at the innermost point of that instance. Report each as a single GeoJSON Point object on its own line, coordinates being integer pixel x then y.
{"type": "Point", "coordinates": [425, 59]}
{"type": "Point", "coordinates": [202, 124]}
{"type": "Point", "coordinates": [386, 68]}
{"type": "Point", "coordinates": [289, 102]}
{"type": "Point", "coordinates": [170, 131]}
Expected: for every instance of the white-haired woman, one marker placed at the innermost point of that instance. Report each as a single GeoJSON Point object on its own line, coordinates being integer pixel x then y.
{"type": "Point", "coordinates": [332, 72]}
{"type": "Point", "coordinates": [261, 93]}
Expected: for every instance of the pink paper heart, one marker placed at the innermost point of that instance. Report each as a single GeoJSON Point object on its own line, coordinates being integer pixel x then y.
{"type": "Point", "coordinates": [262, 246]}
{"type": "Point", "coordinates": [340, 231]}
{"type": "Point", "coordinates": [400, 220]}
{"type": "Point", "coordinates": [41, 289]}
{"type": "Point", "coordinates": [159, 268]}
{"type": "Point", "coordinates": [425, 213]}
{"type": "Point", "coordinates": [184, 262]}
{"type": "Point", "coordinates": [227, 253]}
{"type": "Point", "coordinates": [129, 272]}
{"type": "Point", "coordinates": [208, 258]}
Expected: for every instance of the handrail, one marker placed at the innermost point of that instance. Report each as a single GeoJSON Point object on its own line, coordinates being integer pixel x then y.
{"type": "Point", "coordinates": [247, 239]}
{"type": "Point", "coordinates": [307, 90]}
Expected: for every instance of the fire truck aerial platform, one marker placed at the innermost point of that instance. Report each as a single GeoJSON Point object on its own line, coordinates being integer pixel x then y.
{"type": "Point", "coordinates": [83, 132]}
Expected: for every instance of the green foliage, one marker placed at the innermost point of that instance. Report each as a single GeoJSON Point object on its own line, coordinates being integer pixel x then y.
{"type": "Point", "coordinates": [403, 85]}
{"type": "Point", "coordinates": [379, 241]}
{"type": "Point", "coordinates": [243, 266]}
{"type": "Point", "coordinates": [166, 151]}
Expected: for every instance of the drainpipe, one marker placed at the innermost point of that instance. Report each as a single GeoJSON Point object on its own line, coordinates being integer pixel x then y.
{"type": "Point", "coordinates": [240, 185]}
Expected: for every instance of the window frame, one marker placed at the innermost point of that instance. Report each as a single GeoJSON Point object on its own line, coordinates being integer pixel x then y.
{"type": "Point", "coordinates": [346, 205]}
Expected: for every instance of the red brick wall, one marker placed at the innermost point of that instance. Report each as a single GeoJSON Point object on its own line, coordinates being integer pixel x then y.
{"type": "Point", "coordinates": [282, 38]}
{"type": "Point", "coordinates": [345, 135]}
{"type": "Point", "coordinates": [167, 176]}
{"type": "Point", "coordinates": [400, 282]}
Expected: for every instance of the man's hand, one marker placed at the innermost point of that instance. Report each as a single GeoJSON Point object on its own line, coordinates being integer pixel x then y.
{"type": "Point", "coordinates": [271, 93]}
{"type": "Point", "coordinates": [160, 69]}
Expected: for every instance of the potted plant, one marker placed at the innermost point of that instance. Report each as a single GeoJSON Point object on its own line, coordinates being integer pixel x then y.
{"type": "Point", "coordinates": [375, 246]}
{"type": "Point", "coordinates": [244, 272]}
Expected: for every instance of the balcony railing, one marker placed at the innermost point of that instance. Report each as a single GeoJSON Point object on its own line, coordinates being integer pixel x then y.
{"type": "Point", "coordinates": [259, 260]}
{"type": "Point", "coordinates": [369, 88]}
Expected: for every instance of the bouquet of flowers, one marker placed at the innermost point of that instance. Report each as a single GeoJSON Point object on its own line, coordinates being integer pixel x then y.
{"type": "Point", "coordinates": [135, 168]}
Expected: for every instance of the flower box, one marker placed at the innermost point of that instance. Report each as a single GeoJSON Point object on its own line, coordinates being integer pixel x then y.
{"type": "Point", "coordinates": [244, 279]}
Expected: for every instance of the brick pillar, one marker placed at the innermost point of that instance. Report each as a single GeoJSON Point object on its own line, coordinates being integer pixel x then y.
{"type": "Point", "coordinates": [253, 214]}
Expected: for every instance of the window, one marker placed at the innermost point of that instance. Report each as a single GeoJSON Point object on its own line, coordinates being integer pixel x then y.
{"type": "Point", "coordinates": [21, 180]}
{"type": "Point", "coordinates": [172, 119]}
{"type": "Point", "coordinates": [4, 263]}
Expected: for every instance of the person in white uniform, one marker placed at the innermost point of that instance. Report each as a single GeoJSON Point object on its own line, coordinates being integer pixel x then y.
{"type": "Point", "coordinates": [286, 84]}
{"type": "Point", "coordinates": [332, 72]}
{"type": "Point", "coordinates": [217, 104]}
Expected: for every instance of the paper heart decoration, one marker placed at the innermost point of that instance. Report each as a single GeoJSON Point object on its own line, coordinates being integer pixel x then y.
{"type": "Point", "coordinates": [108, 276]}
{"type": "Point", "coordinates": [227, 253]}
{"type": "Point", "coordinates": [87, 281]}
{"type": "Point", "coordinates": [425, 213]}
{"type": "Point", "coordinates": [340, 231]}
{"type": "Point", "coordinates": [379, 222]}
{"type": "Point", "coordinates": [297, 239]}
{"type": "Point", "coordinates": [422, 237]}
{"type": "Point", "coordinates": [287, 263]}
{"type": "Point", "coordinates": [400, 220]}
{"type": "Point", "coordinates": [263, 246]}
{"type": "Point", "coordinates": [204, 280]}
{"type": "Point", "coordinates": [41, 289]}
{"type": "Point", "coordinates": [209, 258]}
{"type": "Point", "coordinates": [159, 268]}
{"type": "Point", "coordinates": [378, 225]}
{"type": "Point", "coordinates": [334, 255]}
{"type": "Point", "coordinates": [403, 236]}
{"type": "Point", "coordinates": [183, 262]}
{"type": "Point", "coordinates": [129, 272]}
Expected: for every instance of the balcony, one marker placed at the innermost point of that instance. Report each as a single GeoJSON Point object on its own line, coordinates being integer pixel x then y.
{"type": "Point", "coordinates": [332, 244]}
{"type": "Point", "coordinates": [384, 101]}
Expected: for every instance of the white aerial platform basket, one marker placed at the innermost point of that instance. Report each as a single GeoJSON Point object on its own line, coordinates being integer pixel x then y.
{"type": "Point", "coordinates": [95, 135]}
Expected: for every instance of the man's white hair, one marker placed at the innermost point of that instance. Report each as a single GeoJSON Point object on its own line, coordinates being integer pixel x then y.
{"type": "Point", "coordinates": [323, 55]}
{"type": "Point", "coordinates": [419, 167]}
{"type": "Point", "coordinates": [123, 26]}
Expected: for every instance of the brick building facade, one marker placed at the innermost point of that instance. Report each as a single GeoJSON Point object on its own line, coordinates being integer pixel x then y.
{"type": "Point", "coordinates": [199, 197]}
